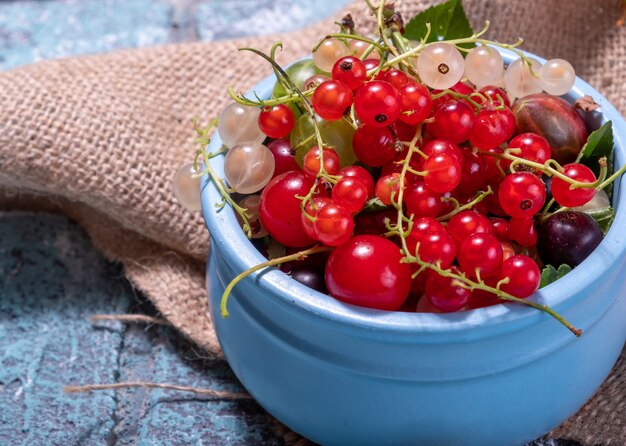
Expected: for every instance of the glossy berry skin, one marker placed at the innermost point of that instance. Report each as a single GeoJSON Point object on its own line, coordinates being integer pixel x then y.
{"type": "Point", "coordinates": [453, 121]}
{"type": "Point", "coordinates": [532, 147]}
{"type": "Point", "coordinates": [366, 271]}
{"type": "Point", "coordinates": [500, 227]}
{"type": "Point", "coordinates": [421, 201]}
{"type": "Point", "coordinates": [311, 162]}
{"type": "Point", "coordinates": [280, 211]}
{"type": "Point", "coordinates": [466, 223]}
{"type": "Point", "coordinates": [276, 121]}
{"type": "Point", "coordinates": [573, 197]}
{"type": "Point", "coordinates": [349, 70]}
{"type": "Point", "coordinates": [374, 146]}
{"type": "Point", "coordinates": [386, 186]}
{"type": "Point", "coordinates": [437, 248]}
{"type": "Point", "coordinates": [423, 227]}
{"type": "Point", "coordinates": [437, 146]}
{"type": "Point", "coordinates": [495, 168]}
{"type": "Point", "coordinates": [309, 276]}
{"type": "Point", "coordinates": [492, 128]}
{"type": "Point", "coordinates": [284, 159]}
{"type": "Point", "coordinates": [416, 103]}
{"type": "Point", "coordinates": [523, 274]}
{"type": "Point", "coordinates": [333, 224]}
{"type": "Point", "coordinates": [496, 95]}
{"type": "Point", "coordinates": [403, 131]}
{"type": "Point", "coordinates": [331, 100]}
{"type": "Point", "coordinates": [395, 77]}
{"type": "Point", "coordinates": [370, 64]}
{"type": "Point", "coordinates": [351, 193]}
{"type": "Point", "coordinates": [480, 251]}
{"type": "Point", "coordinates": [443, 173]}
{"type": "Point", "coordinates": [443, 295]}
{"type": "Point", "coordinates": [568, 237]}
{"type": "Point", "coordinates": [377, 103]}
{"type": "Point", "coordinates": [522, 194]}
{"type": "Point", "coordinates": [459, 87]}
{"type": "Point", "coordinates": [311, 209]}
{"type": "Point", "coordinates": [361, 174]}
{"type": "Point", "coordinates": [473, 174]}
{"type": "Point", "coordinates": [522, 231]}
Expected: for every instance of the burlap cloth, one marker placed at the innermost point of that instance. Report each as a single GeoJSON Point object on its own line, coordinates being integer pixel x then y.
{"type": "Point", "coordinates": [100, 137]}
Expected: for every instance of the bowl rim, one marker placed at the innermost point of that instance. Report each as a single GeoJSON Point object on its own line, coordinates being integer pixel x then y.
{"type": "Point", "coordinates": [240, 254]}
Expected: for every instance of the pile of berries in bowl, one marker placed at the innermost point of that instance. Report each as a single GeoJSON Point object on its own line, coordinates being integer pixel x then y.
{"type": "Point", "coordinates": [416, 192]}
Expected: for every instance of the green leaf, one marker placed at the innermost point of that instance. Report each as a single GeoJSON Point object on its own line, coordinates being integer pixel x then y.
{"type": "Point", "coordinates": [551, 274]}
{"type": "Point", "coordinates": [604, 217]}
{"type": "Point", "coordinates": [375, 205]}
{"type": "Point", "coordinates": [448, 21]}
{"type": "Point", "coordinates": [599, 144]}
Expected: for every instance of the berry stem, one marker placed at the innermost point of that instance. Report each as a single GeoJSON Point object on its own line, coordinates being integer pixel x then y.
{"type": "Point", "coordinates": [457, 208]}
{"type": "Point", "coordinates": [292, 257]}
{"type": "Point", "coordinates": [481, 285]}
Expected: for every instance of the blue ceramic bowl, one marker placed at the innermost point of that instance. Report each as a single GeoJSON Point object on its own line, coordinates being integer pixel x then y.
{"type": "Point", "coordinates": [345, 375]}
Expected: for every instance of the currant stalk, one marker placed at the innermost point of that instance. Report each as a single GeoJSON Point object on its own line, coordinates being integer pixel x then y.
{"type": "Point", "coordinates": [280, 260]}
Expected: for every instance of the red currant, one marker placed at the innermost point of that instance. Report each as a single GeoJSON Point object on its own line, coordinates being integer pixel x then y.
{"type": "Point", "coordinates": [416, 103]}
{"type": "Point", "coordinates": [377, 103]}
{"type": "Point", "coordinates": [444, 294]}
{"type": "Point", "coordinates": [522, 231]}
{"type": "Point", "coordinates": [331, 100]}
{"type": "Point", "coordinates": [351, 193]}
{"type": "Point", "coordinates": [311, 161]}
{"type": "Point", "coordinates": [361, 174]}
{"type": "Point", "coordinates": [459, 87]}
{"type": "Point", "coordinates": [496, 95]}
{"type": "Point", "coordinates": [473, 175]}
{"type": "Point", "coordinates": [386, 186]}
{"type": "Point", "coordinates": [366, 271]}
{"type": "Point", "coordinates": [522, 194]}
{"type": "Point", "coordinates": [374, 146]}
{"type": "Point", "coordinates": [466, 223]}
{"type": "Point", "coordinates": [276, 121]}
{"type": "Point", "coordinates": [480, 253]}
{"type": "Point", "coordinates": [284, 160]}
{"type": "Point", "coordinates": [437, 146]}
{"type": "Point", "coordinates": [311, 209]}
{"type": "Point", "coordinates": [492, 128]}
{"type": "Point", "coordinates": [523, 274]}
{"type": "Point", "coordinates": [437, 248]}
{"type": "Point", "coordinates": [532, 147]}
{"type": "Point", "coordinates": [349, 70]}
{"type": "Point", "coordinates": [568, 197]}
{"type": "Point", "coordinates": [500, 227]}
{"type": "Point", "coordinates": [395, 77]}
{"type": "Point", "coordinates": [333, 224]}
{"type": "Point", "coordinates": [280, 211]}
{"type": "Point", "coordinates": [420, 201]}
{"type": "Point", "coordinates": [453, 121]}
{"type": "Point", "coordinates": [443, 172]}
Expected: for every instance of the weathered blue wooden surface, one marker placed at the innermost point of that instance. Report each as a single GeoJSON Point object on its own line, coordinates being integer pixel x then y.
{"type": "Point", "coordinates": [52, 280]}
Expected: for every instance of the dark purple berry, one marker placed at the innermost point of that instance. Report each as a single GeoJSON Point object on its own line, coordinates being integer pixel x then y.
{"type": "Point", "coordinates": [568, 237]}
{"type": "Point", "coordinates": [308, 276]}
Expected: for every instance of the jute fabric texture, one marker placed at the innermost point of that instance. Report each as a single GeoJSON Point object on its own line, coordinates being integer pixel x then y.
{"type": "Point", "coordinates": [100, 137]}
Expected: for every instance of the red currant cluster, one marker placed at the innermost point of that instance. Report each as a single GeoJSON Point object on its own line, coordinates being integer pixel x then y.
{"type": "Point", "coordinates": [435, 156]}
{"type": "Point", "coordinates": [408, 175]}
